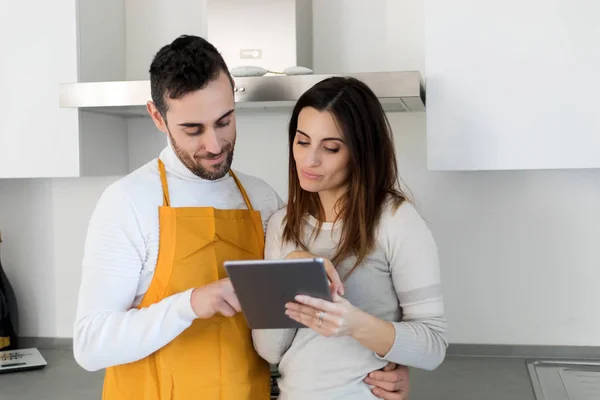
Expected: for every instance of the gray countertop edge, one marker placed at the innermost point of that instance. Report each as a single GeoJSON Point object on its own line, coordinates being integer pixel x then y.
{"type": "Point", "coordinates": [454, 349]}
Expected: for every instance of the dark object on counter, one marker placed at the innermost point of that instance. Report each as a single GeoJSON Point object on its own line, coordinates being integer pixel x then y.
{"type": "Point", "coordinates": [274, 388]}
{"type": "Point", "coordinates": [8, 313]}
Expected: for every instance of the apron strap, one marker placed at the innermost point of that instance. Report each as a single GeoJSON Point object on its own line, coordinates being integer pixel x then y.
{"type": "Point", "coordinates": [165, 186]}
{"type": "Point", "coordinates": [242, 190]}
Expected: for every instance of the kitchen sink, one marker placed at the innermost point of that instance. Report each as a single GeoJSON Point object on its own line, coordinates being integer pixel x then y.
{"type": "Point", "coordinates": [565, 380]}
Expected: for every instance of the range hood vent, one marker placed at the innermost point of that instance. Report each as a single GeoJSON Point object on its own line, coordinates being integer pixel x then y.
{"type": "Point", "coordinates": [397, 91]}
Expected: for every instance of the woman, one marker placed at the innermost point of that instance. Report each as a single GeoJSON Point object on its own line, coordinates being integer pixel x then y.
{"type": "Point", "coordinates": [344, 204]}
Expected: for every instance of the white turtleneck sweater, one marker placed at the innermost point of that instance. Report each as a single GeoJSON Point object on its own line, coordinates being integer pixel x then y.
{"type": "Point", "coordinates": [120, 257]}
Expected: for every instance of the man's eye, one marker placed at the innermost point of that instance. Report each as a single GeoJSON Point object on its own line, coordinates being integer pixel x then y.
{"type": "Point", "coordinates": [223, 124]}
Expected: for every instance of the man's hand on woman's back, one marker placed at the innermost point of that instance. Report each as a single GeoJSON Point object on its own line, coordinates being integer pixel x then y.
{"type": "Point", "coordinates": [391, 383]}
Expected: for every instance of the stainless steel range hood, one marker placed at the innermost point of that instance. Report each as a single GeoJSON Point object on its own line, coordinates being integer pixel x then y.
{"type": "Point", "coordinates": [279, 37]}
{"type": "Point", "coordinates": [397, 91]}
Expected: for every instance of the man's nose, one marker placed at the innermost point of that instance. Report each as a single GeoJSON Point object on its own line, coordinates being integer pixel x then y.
{"type": "Point", "coordinates": [211, 142]}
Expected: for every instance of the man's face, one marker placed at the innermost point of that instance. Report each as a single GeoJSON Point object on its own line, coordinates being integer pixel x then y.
{"type": "Point", "coordinates": [201, 127]}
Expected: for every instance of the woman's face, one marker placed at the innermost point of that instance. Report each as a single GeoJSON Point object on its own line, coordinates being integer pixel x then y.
{"type": "Point", "coordinates": [322, 158]}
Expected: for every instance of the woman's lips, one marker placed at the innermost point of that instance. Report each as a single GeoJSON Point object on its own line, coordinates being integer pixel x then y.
{"type": "Point", "coordinates": [310, 175]}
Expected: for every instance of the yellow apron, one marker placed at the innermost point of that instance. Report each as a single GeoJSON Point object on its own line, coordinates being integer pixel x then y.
{"type": "Point", "coordinates": [214, 359]}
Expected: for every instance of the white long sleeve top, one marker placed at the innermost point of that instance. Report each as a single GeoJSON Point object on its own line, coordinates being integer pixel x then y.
{"type": "Point", "coordinates": [120, 257]}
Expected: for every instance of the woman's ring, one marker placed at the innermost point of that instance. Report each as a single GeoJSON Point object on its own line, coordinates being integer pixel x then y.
{"type": "Point", "coordinates": [320, 315]}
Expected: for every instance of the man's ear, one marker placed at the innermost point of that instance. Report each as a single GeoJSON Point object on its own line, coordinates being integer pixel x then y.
{"type": "Point", "coordinates": [158, 119]}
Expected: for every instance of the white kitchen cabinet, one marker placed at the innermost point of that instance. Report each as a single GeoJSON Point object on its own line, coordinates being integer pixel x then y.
{"type": "Point", "coordinates": [44, 44]}
{"type": "Point", "coordinates": [52, 43]}
{"type": "Point", "coordinates": [512, 84]}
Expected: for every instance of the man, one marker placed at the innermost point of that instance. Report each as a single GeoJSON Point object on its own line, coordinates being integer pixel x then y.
{"type": "Point", "coordinates": [155, 306]}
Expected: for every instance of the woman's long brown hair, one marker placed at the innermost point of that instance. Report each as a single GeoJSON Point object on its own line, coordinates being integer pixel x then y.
{"type": "Point", "coordinates": [373, 172]}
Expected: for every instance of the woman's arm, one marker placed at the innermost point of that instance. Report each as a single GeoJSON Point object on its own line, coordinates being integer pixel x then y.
{"type": "Point", "coordinates": [419, 343]}
{"type": "Point", "coordinates": [420, 339]}
{"type": "Point", "coordinates": [271, 344]}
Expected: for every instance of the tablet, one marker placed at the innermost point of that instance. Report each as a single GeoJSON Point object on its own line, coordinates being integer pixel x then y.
{"type": "Point", "coordinates": [263, 288]}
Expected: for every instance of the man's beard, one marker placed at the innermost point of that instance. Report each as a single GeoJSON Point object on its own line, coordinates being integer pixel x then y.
{"type": "Point", "coordinates": [194, 164]}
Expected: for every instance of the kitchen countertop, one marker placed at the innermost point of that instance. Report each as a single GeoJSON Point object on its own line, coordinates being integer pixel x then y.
{"type": "Point", "coordinates": [458, 378]}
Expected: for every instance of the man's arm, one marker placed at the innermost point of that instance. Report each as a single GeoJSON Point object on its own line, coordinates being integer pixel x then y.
{"type": "Point", "coordinates": [108, 331]}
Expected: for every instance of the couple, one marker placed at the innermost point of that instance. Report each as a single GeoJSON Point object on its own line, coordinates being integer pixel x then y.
{"type": "Point", "coordinates": [155, 306]}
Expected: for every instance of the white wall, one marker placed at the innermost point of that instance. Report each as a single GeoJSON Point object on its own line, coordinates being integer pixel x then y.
{"type": "Point", "coordinates": [519, 249]}
{"type": "Point", "coordinates": [368, 36]}
{"type": "Point", "coordinates": [150, 24]}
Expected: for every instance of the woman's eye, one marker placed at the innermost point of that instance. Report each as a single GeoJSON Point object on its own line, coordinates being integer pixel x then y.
{"type": "Point", "coordinates": [332, 150]}
{"type": "Point", "coordinates": [223, 124]}
{"type": "Point", "coordinates": [302, 143]}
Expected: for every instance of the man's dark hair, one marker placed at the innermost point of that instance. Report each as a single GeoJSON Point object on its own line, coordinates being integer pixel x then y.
{"type": "Point", "coordinates": [185, 65]}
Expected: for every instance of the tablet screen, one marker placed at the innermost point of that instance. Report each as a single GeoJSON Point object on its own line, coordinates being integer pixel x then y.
{"type": "Point", "coordinates": [263, 287]}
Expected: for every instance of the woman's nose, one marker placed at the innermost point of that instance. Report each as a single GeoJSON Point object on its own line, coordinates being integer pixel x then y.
{"type": "Point", "coordinates": [312, 158]}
